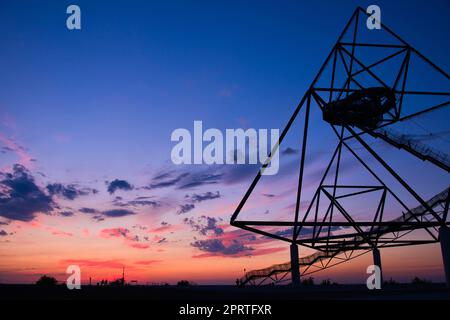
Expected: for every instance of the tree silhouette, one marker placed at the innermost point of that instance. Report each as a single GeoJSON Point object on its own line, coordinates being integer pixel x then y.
{"type": "Point", "coordinates": [46, 281]}
{"type": "Point", "coordinates": [183, 283]}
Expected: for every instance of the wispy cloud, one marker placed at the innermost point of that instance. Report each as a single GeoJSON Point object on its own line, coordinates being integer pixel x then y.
{"type": "Point", "coordinates": [101, 215]}
{"type": "Point", "coordinates": [24, 158]}
{"type": "Point", "coordinates": [113, 264]}
{"type": "Point", "coordinates": [165, 179]}
{"type": "Point", "coordinates": [204, 196]}
{"type": "Point", "coordinates": [216, 246]}
{"type": "Point", "coordinates": [57, 232]}
{"type": "Point", "coordinates": [70, 191]}
{"type": "Point", "coordinates": [166, 227]}
{"type": "Point", "coordinates": [115, 213]}
{"type": "Point", "coordinates": [185, 208]}
{"type": "Point", "coordinates": [130, 239]}
{"type": "Point", "coordinates": [147, 262]}
{"type": "Point", "coordinates": [184, 180]}
{"type": "Point", "coordinates": [138, 202]}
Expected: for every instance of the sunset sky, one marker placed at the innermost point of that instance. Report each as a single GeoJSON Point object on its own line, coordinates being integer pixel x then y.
{"type": "Point", "coordinates": [86, 118]}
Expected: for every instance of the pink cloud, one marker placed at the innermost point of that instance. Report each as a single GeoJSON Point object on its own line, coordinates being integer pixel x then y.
{"type": "Point", "coordinates": [253, 253]}
{"type": "Point", "coordinates": [167, 228]}
{"type": "Point", "coordinates": [114, 264]}
{"type": "Point", "coordinates": [138, 245]}
{"type": "Point", "coordinates": [133, 241]}
{"type": "Point", "coordinates": [57, 232]}
{"type": "Point", "coordinates": [24, 158]}
{"type": "Point", "coordinates": [114, 233]}
{"type": "Point", "coordinates": [62, 233]}
{"type": "Point", "coordinates": [147, 262]}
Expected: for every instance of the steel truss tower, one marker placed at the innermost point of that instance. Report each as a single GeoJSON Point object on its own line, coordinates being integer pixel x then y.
{"type": "Point", "coordinates": [326, 212]}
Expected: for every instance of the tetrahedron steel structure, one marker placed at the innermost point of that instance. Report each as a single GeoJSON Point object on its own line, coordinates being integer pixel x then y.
{"type": "Point", "coordinates": [343, 83]}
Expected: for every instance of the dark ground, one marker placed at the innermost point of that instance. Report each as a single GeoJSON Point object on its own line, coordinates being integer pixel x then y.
{"type": "Point", "coordinates": [225, 293]}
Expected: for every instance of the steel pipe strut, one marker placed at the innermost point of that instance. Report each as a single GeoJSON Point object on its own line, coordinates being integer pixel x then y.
{"type": "Point", "coordinates": [295, 266]}
{"type": "Point", "coordinates": [444, 237]}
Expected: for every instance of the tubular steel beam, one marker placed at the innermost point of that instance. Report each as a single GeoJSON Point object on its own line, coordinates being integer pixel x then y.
{"type": "Point", "coordinates": [302, 165]}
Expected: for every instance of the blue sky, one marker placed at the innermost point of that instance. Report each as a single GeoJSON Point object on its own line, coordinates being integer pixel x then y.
{"type": "Point", "coordinates": [141, 69]}
{"type": "Point", "coordinates": [99, 104]}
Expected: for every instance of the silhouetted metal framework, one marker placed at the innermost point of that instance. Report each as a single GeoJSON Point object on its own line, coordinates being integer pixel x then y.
{"type": "Point", "coordinates": [371, 234]}
{"type": "Point", "coordinates": [335, 254]}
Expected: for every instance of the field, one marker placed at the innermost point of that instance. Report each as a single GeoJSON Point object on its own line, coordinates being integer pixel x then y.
{"type": "Point", "coordinates": [224, 293]}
